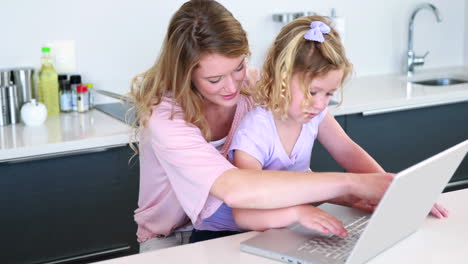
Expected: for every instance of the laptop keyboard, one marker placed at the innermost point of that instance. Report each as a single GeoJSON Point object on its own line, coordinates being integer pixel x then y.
{"type": "Point", "coordinates": [336, 247]}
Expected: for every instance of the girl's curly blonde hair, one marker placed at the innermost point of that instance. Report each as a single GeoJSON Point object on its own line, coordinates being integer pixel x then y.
{"type": "Point", "coordinates": [292, 54]}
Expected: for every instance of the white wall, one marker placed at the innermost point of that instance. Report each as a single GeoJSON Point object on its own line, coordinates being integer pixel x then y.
{"type": "Point", "coordinates": [116, 39]}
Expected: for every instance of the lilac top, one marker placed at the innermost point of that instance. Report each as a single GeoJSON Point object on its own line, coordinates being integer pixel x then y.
{"type": "Point", "coordinates": [258, 137]}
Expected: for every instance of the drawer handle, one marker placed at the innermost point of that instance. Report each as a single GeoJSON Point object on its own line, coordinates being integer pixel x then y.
{"type": "Point", "coordinates": [96, 254]}
{"type": "Point", "coordinates": [60, 154]}
{"type": "Point", "coordinates": [456, 183]}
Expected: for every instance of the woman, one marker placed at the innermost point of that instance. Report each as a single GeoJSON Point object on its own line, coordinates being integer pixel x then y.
{"type": "Point", "coordinates": [188, 106]}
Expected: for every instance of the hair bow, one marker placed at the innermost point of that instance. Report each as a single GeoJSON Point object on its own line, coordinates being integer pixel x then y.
{"type": "Point", "coordinates": [316, 31]}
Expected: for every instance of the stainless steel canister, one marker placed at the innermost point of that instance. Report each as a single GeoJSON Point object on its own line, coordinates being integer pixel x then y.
{"type": "Point", "coordinates": [4, 107]}
{"type": "Point", "coordinates": [13, 104]}
{"type": "Point", "coordinates": [5, 77]}
{"type": "Point", "coordinates": [23, 79]}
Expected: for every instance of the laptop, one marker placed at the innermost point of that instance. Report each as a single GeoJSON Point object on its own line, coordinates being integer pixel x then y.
{"type": "Point", "coordinates": [402, 209]}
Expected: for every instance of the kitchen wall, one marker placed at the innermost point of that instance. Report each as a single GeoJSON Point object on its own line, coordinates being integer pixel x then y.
{"type": "Point", "coordinates": [116, 39]}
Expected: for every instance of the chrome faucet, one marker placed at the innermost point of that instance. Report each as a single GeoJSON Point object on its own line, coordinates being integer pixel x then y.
{"type": "Point", "coordinates": [412, 59]}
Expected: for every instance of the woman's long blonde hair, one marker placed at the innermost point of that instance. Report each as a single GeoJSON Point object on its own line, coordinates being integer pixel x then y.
{"type": "Point", "coordinates": [199, 27]}
{"type": "Point", "coordinates": [291, 53]}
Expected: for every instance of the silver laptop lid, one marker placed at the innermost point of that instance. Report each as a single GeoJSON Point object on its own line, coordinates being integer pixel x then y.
{"type": "Point", "coordinates": [407, 202]}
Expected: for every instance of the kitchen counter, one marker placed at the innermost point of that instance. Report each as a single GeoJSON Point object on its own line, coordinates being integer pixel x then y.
{"type": "Point", "coordinates": [75, 132]}
{"type": "Point", "coordinates": [392, 92]}
{"type": "Point", "coordinates": [63, 133]}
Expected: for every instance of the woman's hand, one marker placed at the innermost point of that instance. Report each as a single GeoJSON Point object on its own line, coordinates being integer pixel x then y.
{"type": "Point", "coordinates": [370, 186]}
{"type": "Point", "coordinates": [366, 205]}
{"type": "Point", "coordinates": [355, 202]}
{"type": "Point", "coordinates": [319, 220]}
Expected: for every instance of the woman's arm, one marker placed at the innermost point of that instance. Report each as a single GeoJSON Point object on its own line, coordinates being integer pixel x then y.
{"type": "Point", "coordinates": [242, 188]}
{"type": "Point", "coordinates": [266, 189]}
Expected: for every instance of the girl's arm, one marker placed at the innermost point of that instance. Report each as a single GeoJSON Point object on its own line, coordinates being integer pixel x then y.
{"type": "Point", "coordinates": [344, 150]}
{"type": "Point", "coordinates": [348, 154]}
{"type": "Point", "coordinates": [308, 215]}
{"type": "Point", "coordinates": [259, 220]}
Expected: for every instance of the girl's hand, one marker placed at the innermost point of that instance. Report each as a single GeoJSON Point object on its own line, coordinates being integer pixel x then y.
{"type": "Point", "coordinates": [439, 211]}
{"type": "Point", "coordinates": [319, 220]}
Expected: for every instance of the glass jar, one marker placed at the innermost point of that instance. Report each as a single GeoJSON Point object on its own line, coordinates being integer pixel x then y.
{"type": "Point", "coordinates": [82, 96]}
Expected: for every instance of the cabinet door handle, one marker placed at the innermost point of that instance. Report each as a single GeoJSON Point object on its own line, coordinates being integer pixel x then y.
{"type": "Point", "coordinates": [60, 154]}
{"type": "Point", "coordinates": [100, 253]}
{"type": "Point", "coordinates": [457, 183]}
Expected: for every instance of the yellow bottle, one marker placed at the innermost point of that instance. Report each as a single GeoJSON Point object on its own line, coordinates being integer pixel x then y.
{"type": "Point", "coordinates": [48, 85]}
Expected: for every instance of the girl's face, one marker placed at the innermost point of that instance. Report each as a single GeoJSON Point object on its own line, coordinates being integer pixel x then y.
{"type": "Point", "coordinates": [321, 89]}
{"type": "Point", "coordinates": [219, 79]}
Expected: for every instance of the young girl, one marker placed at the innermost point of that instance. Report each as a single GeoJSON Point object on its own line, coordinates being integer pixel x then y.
{"type": "Point", "coordinates": [305, 66]}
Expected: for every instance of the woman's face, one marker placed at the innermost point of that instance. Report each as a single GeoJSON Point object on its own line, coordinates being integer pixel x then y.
{"type": "Point", "coordinates": [321, 90]}
{"type": "Point", "coordinates": [219, 79]}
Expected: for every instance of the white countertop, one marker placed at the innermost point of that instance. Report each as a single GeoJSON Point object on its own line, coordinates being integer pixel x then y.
{"type": "Point", "coordinates": [63, 133]}
{"type": "Point", "coordinates": [74, 132]}
{"type": "Point", "coordinates": [390, 92]}
{"type": "Point", "coordinates": [436, 241]}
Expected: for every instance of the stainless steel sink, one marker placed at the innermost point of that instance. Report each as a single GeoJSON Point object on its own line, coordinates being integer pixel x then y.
{"type": "Point", "coordinates": [441, 81]}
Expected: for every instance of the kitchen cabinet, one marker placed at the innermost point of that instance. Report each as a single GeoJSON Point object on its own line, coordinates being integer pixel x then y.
{"type": "Point", "coordinates": [72, 207]}
{"type": "Point", "coordinates": [400, 139]}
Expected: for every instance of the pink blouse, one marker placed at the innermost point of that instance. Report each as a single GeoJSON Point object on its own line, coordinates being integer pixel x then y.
{"type": "Point", "coordinates": [177, 169]}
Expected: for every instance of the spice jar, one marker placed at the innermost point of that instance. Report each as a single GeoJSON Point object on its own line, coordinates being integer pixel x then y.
{"type": "Point", "coordinates": [82, 95]}
{"type": "Point", "coordinates": [65, 94]}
